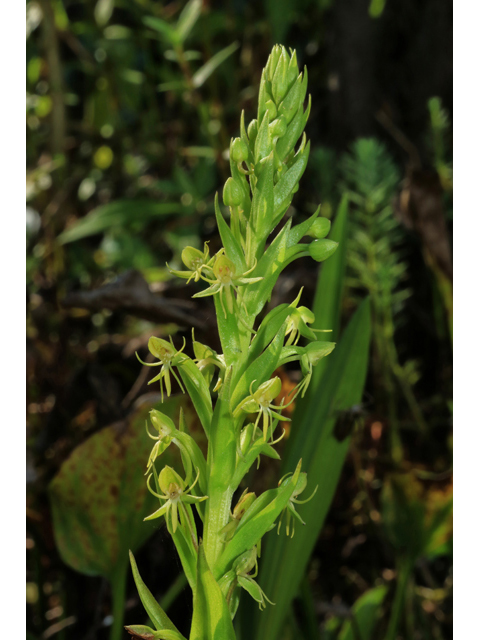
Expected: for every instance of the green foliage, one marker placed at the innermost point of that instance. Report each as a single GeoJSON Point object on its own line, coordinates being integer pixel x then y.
{"type": "Point", "coordinates": [376, 266]}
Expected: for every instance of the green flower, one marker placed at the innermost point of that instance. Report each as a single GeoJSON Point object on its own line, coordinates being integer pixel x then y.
{"type": "Point", "coordinates": [195, 261]}
{"type": "Point", "coordinates": [169, 357]}
{"type": "Point", "coordinates": [225, 280]}
{"type": "Point", "coordinates": [262, 402]}
{"type": "Point", "coordinates": [176, 495]}
{"type": "Point", "coordinates": [292, 515]}
{"type": "Point", "coordinates": [239, 576]}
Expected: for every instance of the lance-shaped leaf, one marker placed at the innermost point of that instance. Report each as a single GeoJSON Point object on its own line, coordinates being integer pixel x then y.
{"type": "Point", "coordinates": [154, 611]}
{"type": "Point", "coordinates": [211, 616]}
{"type": "Point", "coordinates": [269, 266]}
{"type": "Point", "coordinates": [366, 612]}
{"type": "Point", "coordinates": [256, 521]}
{"type": "Point", "coordinates": [300, 230]}
{"type": "Point", "coordinates": [294, 130]}
{"type": "Point", "coordinates": [143, 632]}
{"type": "Point", "coordinates": [198, 391]}
{"type": "Point", "coordinates": [262, 204]}
{"type": "Point", "coordinates": [230, 243]}
{"type": "Point", "coordinates": [283, 190]}
{"type": "Point", "coordinates": [260, 369]}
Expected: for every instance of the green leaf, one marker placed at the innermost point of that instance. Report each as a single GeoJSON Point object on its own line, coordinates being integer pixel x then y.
{"type": "Point", "coordinates": [260, 370]}
{"type": "Point", "coordinates": [366, 612]}
{"type": "Point", "coordinates": [269, 267]}
{"type": "Point", "coordinates": [283, 190]}
{"type": "Point", "coordinates": [154, 611]}
{"type": "Point", "coordinates": [145, 633]}
{"type": "Point", "coordinates": [188, 18]}
{"type": "Point", "coordinates": [99, 496]}
{"type": "Point", "coordinates": [256, 521]}
{"type": "Point", "coordinates": [198, 391]}
{"type": "Point", "coordinates": [200, 76]}
{"type": "Point", "coordinates": [211, 616]}
{"type": "Point", "coordinates": [230, 243]}
{"type": "Point", "coordinates": [119, 213]}
{"type": "Point", "coordinates": [168, 32]}
{"type": "Point", "coordinates": [341, 386]}
{"type": "Point", "coordinates": [262, 203]}
{"type": "Point", "coordinates": [103, 11]}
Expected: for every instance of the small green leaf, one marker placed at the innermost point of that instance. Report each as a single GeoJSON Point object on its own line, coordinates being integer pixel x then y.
{"type": "Point", "coordinates": [256, 521]}
{"type": "Point", "coordinates": [269, 266]}
{"type": "Point", "coordinates": [230, 243]}
{"type": "Point", "coordinates": [154, 611]}
{"type": "Point", "coordinates": [260, 370]}
{"type": "Point", "coordinates": [200, 76]}
{"type": "Point", "coordinates": [211, 616]}
{"type": "Point", "coordinates": [168, 32]}
{"type": "Point", "coordinates": [188, 18]}
{"type": "Point", "coordinates": [103, 11]}
{"type": "Point", "coordinates": [366, 612]}
{"type": "Point", "coordinates": [283, 190]}
{"type": "Point", "coordinates": [198, 391]}
{"type": "Point", "coordinates": [119, 213]}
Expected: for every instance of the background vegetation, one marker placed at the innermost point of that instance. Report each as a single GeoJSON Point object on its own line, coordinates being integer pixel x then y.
{"type": "Point", "coordinates": [130, 108]}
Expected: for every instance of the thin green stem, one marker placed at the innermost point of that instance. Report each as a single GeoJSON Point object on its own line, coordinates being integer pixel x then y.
{"type": "Point", "coordinates": [404, 572]}
{"type": "Point", "coordinates": [118, 584]}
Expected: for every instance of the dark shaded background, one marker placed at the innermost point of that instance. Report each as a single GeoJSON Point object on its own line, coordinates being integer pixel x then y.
{"type": "Point", "coordinates": [102, 126]}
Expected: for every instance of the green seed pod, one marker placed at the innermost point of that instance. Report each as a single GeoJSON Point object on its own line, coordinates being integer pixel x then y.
{"type": "Point", "coordinates": [232, 193]}
{"type": "Point", "coordinates": [239, 150]}
{"type": "Point", "coordinates": [322, 249]}
{"type": "Point", "coordinates": [320, 228]}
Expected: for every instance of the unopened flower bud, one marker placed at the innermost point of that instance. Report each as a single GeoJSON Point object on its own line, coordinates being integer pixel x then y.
{"type": "Point", "coordinates": [320, 228]}
{"type": "Point", "coordinates": [322, 249]}
{"type": "Point", "coordinates": [252, 132]}
{"type": "Point", "coordinates": [232, 193]}
{"type": "Point", "coordinates": [239, 150]}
